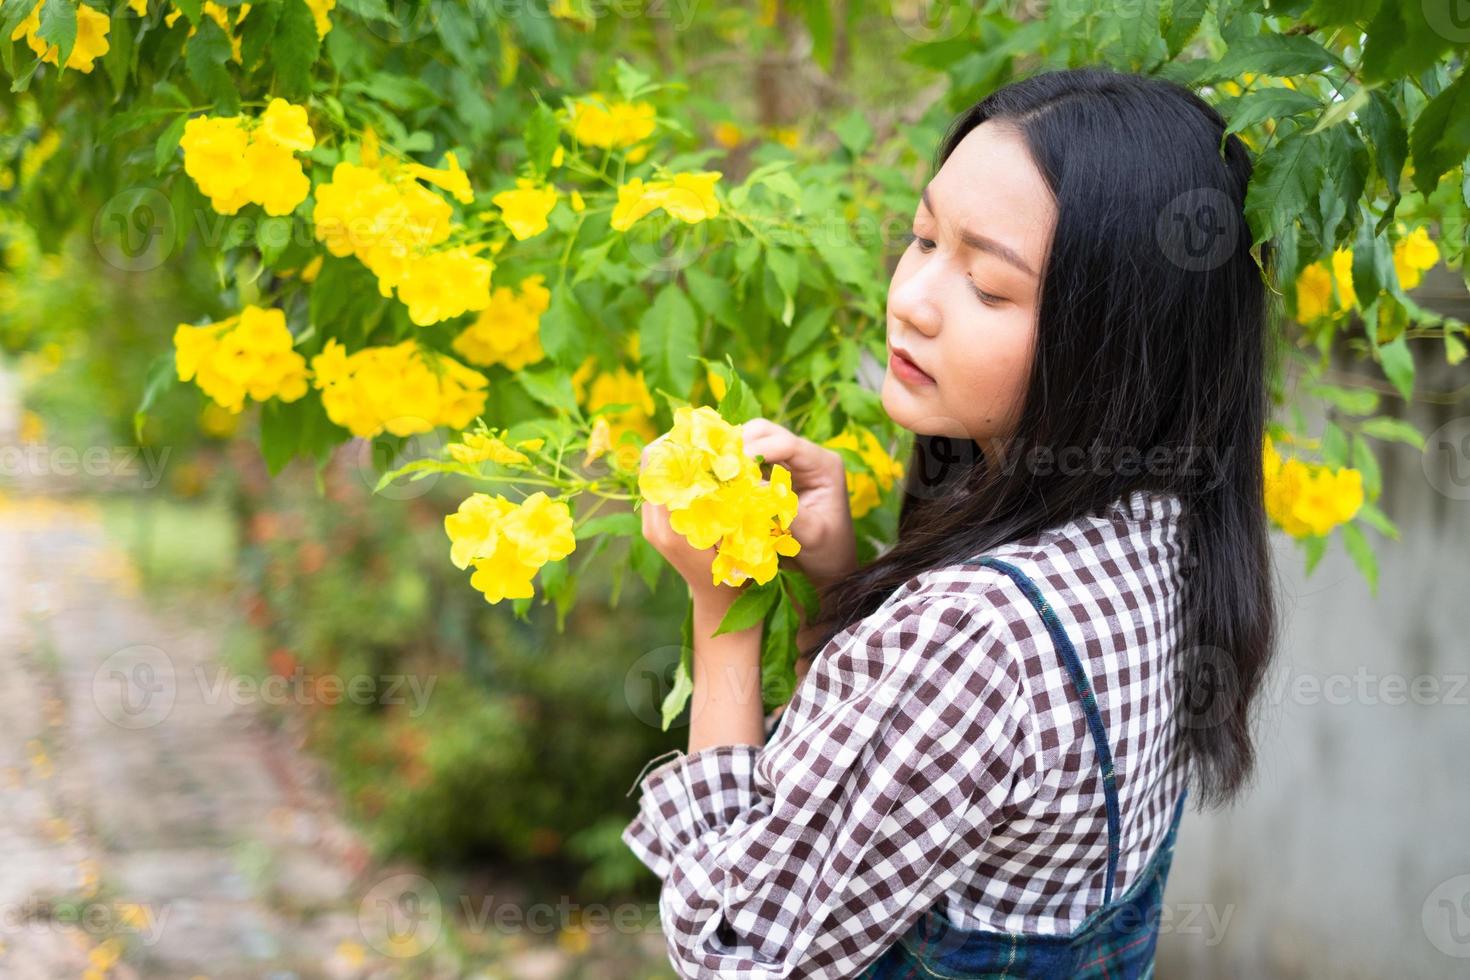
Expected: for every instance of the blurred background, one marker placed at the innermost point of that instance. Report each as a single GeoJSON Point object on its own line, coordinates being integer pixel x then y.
{"type": "Point", "coordinates": [255, 725]}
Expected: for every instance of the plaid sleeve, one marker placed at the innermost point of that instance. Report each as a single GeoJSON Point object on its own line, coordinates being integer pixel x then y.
{"type": "Point", "coordinates": [809, 856]}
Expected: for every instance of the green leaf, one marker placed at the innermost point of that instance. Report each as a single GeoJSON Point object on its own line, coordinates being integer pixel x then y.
{"type": "Point", "coordinates": [1398, 365]}
{"type": "Point", "coordinates": [615, 525]}
{"type": "Point", "coordinates": [542, 135]}
{"type": "Point", "coordinates": [1441, 136]}
{"type": "Point", "coordinates": [802, 591]}
{"type": "Point", "coordinates": [678, 695]}
{"type": "Point", "coordinates": [289, 429]}
{"type": "Point", "coordinates": [1339, 112]}
{"type": "Point", "coordinates": [1285, 181]}
{"type": "Point", "coordinates": [398, 91]}
{"type": "Point", "coordinates": [646, 561]}
{"type": "Point", "coordinates": [162, 375]}
{"type": "Point", "coordinates": [713, 296]}
{"type": "Point", "coordinates": [167, 146]}
{"type": "Point", "coordinates": [1362, 554]}
{"type": "Point", "coordinates": [272, 235]}
{"type": "Point", "coordinates": [562, 330]}
{"type": "Point", "coordinates": [740, 403]}
{"type": "Point", "coordinates": [1384, 126]}
{"type": "Point", "coordinates": [205, 57]}
{"type": "Point", "coordinates": [1268, 103]}
{"type": "Point", "coordinates": [550, 386]}
{"type": "Point", "coordinates": [1370, 514]}
{"type": "Point", "coordinates": [1354, 401]}
{"type": "Point", "coordinates": [1270, 54]}
{"type": "Point", "coordinates": [294, 50]}
{"type": "Point", "coordinates": [1315, 548]}
{"type": "Point", "coordinates": [749, 608]}
{"type": "Point", "coordinates": [1393, 430]}
{"type": "Point", "coordinates": [59, 27]}
{"type": "Point", "coordinates": [854, 132]}
{"type": "Point", "coordinates": [1181, 21]}
{"type": "Point", "coordinates": [812, 325]}
{"type": "Point", "coordinates": [668, 342]}
{"type": "Point", "coordinates": [1367, 464]}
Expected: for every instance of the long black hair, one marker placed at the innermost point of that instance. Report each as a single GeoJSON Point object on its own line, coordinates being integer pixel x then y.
{"type": "Point", "coordinates": [1155, 332]}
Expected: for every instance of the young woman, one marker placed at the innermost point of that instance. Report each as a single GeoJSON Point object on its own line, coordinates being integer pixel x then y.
{"type": "Point", "coordinates": [984, 764]}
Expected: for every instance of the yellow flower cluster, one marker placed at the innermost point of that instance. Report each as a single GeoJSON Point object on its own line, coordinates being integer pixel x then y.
{"type": "Point", "coordinates": [716, 498]}
{"type": "Point", "coordinates": [862, 488]}
{"type": "Point", "coordinates": [403, 389]}
{"type": "Point", "coordinates": [482, 447]}
{"type": "Point", "coordinates": [235, 162]}
{"type": "Point", "coordinates": [91, 42]}
{"type": "Point", "coordinates": [248, 354]}
{"type": "Point", "coordinates": [508, 543]}
{"type": "Point", "coordinates": [379, 212]}
{"type": "Point", "coordinates": [596, 120]}
{"type": "Point", "coordinates": [1309, 499]}
{"type": "Point", "coordinates": [690, 197]}
{"type": "Point", "coordinates": [508, 331]}
{"type": "Point", "coordinates": [1413, 255]}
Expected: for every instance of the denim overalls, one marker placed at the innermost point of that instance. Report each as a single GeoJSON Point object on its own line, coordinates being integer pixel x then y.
{"type": "Point", "coordinates": [1115, 942]}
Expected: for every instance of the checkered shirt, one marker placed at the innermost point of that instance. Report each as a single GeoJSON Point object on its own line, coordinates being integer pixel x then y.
{"type": "Point", "coordinates": [935, 752]}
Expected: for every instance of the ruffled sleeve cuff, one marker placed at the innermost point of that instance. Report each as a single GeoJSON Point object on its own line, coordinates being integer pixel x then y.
{"type": "Point", "coordinates": [687, 796]}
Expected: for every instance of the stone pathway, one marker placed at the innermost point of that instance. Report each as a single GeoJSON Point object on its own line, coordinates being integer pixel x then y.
{"type": "Point", "coordinates": [149, 827]}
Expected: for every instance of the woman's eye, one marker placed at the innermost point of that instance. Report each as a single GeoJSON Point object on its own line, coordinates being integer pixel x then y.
{"type": "Point", "coordinates": [984, 297]}
{"type": "Point", "coordinates": [925, 244]}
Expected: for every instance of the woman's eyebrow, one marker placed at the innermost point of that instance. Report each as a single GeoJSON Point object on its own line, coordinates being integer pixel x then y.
{"type": "Point", "coordinates": [983, 244]}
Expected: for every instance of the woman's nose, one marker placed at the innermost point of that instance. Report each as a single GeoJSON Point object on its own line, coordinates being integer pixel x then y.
{"type": "Point", "coordinates": [914, 300]}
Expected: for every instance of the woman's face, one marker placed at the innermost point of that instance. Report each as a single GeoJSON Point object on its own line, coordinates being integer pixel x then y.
{"type": "Point", "coordinates": [963, 300]}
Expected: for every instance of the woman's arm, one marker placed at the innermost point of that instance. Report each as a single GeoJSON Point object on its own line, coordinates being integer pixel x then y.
{"type": "Point", "coordinates": [811, 854]}
{"type": "Point", "coordinates": [725, 708]}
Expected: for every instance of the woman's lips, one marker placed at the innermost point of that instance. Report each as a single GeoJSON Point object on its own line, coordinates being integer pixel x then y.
{"type": "Point", "coordinates": [907, 370]}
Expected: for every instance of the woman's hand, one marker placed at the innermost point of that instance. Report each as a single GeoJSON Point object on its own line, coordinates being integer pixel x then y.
{"type": "Point", "coordinates": [823, 523]}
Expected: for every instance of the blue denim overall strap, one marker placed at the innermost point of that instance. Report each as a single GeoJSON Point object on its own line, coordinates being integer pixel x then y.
{"type": "Point", "coordinates": [1116, 941]}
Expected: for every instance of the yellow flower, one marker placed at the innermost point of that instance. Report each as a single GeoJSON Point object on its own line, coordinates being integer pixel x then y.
{"type": "Point", "coordinates": [402, 389]}
{"type": "Point", "coordinates": [507, 330]}
{"type": "Point", "coordinates": [883, 470]}
{"type": "Point", "coordinates": [247, 355]}
{"type": "Point", "coordinates": [716, 497]}
{"type": "Point", "coordinates": [690, 197]}
{"type": "Point", "coordinates": [597, 121]}
{"type": "Point", "coordinates": [578, 204]}
{"type": "Point", "coordinates": [476, 447]}
{"type": "Point", "coordinates": [442, 285]}
{"type": "Point", "coordinates": [525, 209]}
{"type": "Point", "coordinates": [91, 40]}
{"type": "Point", "coordinates": [728, 135]}
{"type": "Point", "coordinates": [508, 543]}
{"type": "Point", "coordinates": [234, 165]}
{"type": "Point", "coordinates": [319, 10]}
{"type": "Point", "coordinates": [1309, 500]}
{"type": "Point", "coordinates": [452, 179]}
{"type": "Point", "coordinates": [1313, 293]}
{"type": "Point", "coordinates": [1413, 256]}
